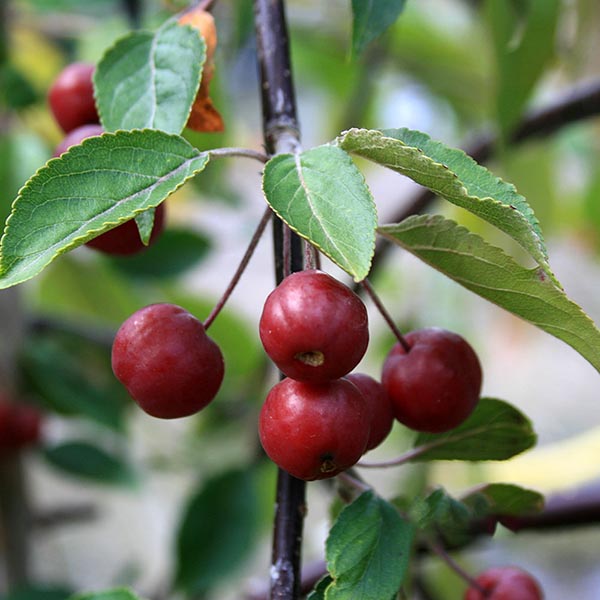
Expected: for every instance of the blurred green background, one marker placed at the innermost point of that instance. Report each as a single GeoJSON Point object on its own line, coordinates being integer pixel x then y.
{"type": "Point", "coordinates": [456, 69]}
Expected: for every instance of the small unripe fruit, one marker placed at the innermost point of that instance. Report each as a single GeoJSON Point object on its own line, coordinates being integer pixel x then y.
{"type": "Point", "coordinates": [71, 97]}
{"type": "Point", "coordinates": [313, 327]}
{"type": "Point", "coordinates": [505, 583]}
{"type": "Point", "coordinates": [314, 430]}
{"type": "Point", "coordinates": [124, 240]}
{"type": "Point", "coordinates": [168, 364]}
{"type": "Point", "coordinates": [379, 407]}
{"type": "Point", "coordinates": [435, 386]}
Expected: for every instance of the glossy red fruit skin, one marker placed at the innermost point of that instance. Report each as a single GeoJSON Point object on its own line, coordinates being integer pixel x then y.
{"type": "Point", "coordinates": [314, 430]}
{"type": "Point", "coordinates": [435, 386]}
{"type": "Point", "coordinates": [379, 405]}
{"type": "Point", "coordinates": [124, 240]}
{"type": "Point", "coordinates": [76, 136]}
{"type": "Point", "coordinates": [71, 97]}
{"type": "Point", "coordinates": [313, 327]}
{"type": "Point", "coordinates": [505, 583]}
{"type": "Point", "coordinates": [20, 426]}
{"type": "Point", "coordinates": [167, 362]}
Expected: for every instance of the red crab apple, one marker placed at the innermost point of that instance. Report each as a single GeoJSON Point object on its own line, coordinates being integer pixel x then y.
{"type": "Point", "coordinates": [379, 406]}
{"type": "Point", "coordinates": [314, 430]}
{"type": "Point", "coordinates": [20, 425]}
{"type": "Point", "coordinates": [167, 362]}
{"type": "Point", "coordinates": [313, 327]}
{"type": "Point", "coordinates": [435, 386]}
{"type": "Point", "coordinates": [505, 583]}
{"type": "Point", "coordinates": [71, 96]}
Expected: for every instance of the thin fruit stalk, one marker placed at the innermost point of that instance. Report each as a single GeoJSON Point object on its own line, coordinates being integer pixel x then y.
{"type": "Point", "coordinates": [281, 135]}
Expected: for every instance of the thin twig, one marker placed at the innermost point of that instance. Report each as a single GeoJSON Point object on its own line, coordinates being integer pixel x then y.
{"type": "Point", "coordinates": [260, 229]}
{"type": "Point", "coordinates": [385, 314]}
{"type": "Point", "coordinates": [441, 552]}
{"type": "Point", "coordinates": [395, 462]}
{"type": "Point", "coordinates": [238, 152]}
{"type": "Point", "coordinates": [354, 482]}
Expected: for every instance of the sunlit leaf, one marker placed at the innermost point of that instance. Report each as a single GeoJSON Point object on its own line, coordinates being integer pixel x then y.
{"type": "Point", "coordinates": [150, 80]}
{"type": "Point", "coordinates": [92, 188]}
{"type": "Point", "coordinates": [455, 176]}
{"type": "Point", "coordinates": [492, 274]}
{"type": "Point", "coordinates": [322, 196]}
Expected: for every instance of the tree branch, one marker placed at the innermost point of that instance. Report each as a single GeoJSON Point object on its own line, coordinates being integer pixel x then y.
{"type": "Point", "coordinates": [281, 134]}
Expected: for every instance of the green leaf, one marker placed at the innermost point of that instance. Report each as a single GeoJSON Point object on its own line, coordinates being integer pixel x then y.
{"type": "Point", "coordinates": [490, 273]}
{"type": "Point", "coordinates": [367, 550]}
{"type": "Point", "coordinates": [319, 592]}
{"type": "Point", "coordinates": [441, 514]}
{"type": "Point", "coordinates": [322, 196]}
{"type": "Point", "coordinates": [524, 43]}
{"type": "Point", "coordinates": [74, 377]}
{"type": "Point", "coordinates": [150, 80]}
{"type": "Point", "coordinates": [111, 594]}
{"type": "Point", "coordinates": [145, 224]}
{"type": "Point", "coordinates": [455, 176]}
{"type": "Point", "coordinates": [94, 187]}
{"type": "Point", "coordinates": [217, 531]}
{"type": "Point", "coordinates": [16, 91]}
{"type": "Point", "coordinates": [494, 431]}
{"type": "Point", "coordinates": [38, 592]}
{"type": "Point", "coordinates": [370, 18]}
{"type": "Point", "coordinates": [503, 499]}
{"type": "Point", "coordinates": [87, 461]}
{"type": "Point", "coordinates": [174, 252]}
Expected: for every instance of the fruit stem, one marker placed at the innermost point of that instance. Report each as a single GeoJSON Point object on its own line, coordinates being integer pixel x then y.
{"type": "Point", "coordinates": [438, 549]}
{"type": "Point", "coordinates": [385, 314]}
{"type": "Point", "coordinates": [241, 268]}
{"type": "Point", "coordinates": [410, 455]}
{"type": "Point", "coordinates": [242, 152]}
{"type": "Point", "coordinates": [353, 482]}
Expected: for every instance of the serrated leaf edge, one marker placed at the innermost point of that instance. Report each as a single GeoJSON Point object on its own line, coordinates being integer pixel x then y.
{"type": "Point", "coordinates": [154, 36]}
{"type": "Point", "coordinates": [109, 224]}
{"type": "Point", "coordinates": [542, 256]}
{"type": "Point", "coordinates": [296, 157]}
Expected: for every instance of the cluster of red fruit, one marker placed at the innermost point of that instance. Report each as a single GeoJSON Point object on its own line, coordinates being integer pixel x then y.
{"type": "Point", "coordinates": [71, 100]}
{"type": "Point", "coordinates": [320, 419]}
{"type": "Point", "coordinates": [20, 426]}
